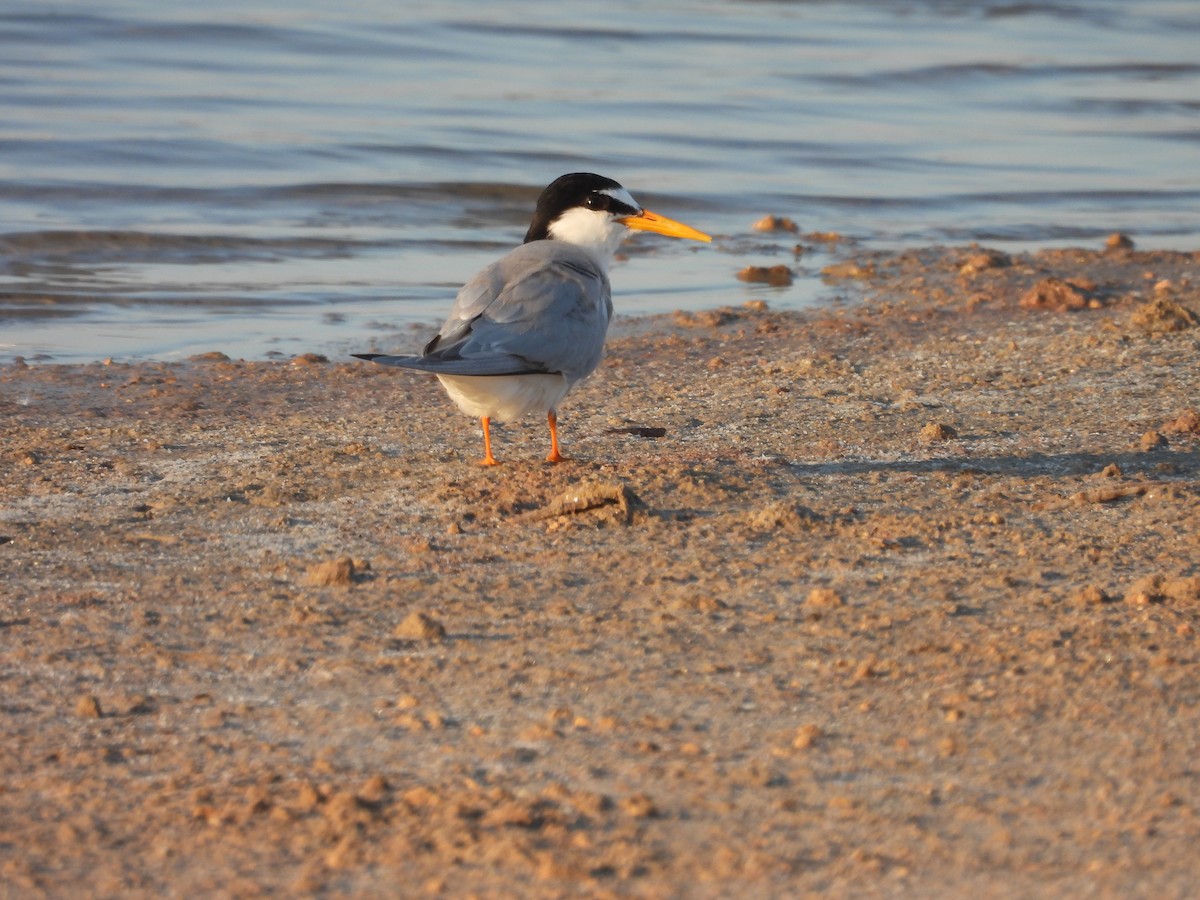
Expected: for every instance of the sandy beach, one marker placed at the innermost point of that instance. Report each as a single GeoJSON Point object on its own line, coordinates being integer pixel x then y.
{"type": "Point", "coordinates": [898, 598]}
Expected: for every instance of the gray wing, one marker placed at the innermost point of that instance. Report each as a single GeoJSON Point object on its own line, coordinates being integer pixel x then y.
{"type": "Point", "coordinates": [544, 307]}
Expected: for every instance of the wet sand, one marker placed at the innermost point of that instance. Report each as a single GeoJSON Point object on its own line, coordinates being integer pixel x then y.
{"type": "Point", "coordinates": [898, 598]}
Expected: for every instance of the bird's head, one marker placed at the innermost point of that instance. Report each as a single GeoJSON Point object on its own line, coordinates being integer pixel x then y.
{"type": "Point", "coordinates": [593, 212]}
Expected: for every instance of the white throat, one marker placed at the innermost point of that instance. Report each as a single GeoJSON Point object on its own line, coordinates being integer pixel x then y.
{"type": "Point", "coordinates": [594, 231]}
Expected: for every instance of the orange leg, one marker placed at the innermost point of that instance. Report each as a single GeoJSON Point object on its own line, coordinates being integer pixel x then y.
{"type": "Point", "coordinates": [555, 456]}
{"type": "Point", "coordinates": [488, 459]}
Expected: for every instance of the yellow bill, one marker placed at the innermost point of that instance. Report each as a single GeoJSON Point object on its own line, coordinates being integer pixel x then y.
{"type": "Point", "coordinates": [648, 221]}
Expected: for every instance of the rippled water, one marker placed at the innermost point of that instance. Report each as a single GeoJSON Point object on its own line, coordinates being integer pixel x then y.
{"type": "Point", "coordinates": [285, 177]}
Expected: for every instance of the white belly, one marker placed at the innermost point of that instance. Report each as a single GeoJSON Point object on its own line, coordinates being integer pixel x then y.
{"type": "Point", "coordinates": [505, 397]}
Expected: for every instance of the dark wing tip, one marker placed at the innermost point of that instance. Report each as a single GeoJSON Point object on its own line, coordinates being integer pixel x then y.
{"type": "Point", "coordinates": [365, 355]}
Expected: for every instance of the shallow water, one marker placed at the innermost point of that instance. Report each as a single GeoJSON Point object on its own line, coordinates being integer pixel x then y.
{"type": "Point", "coordinates": [288, 177]}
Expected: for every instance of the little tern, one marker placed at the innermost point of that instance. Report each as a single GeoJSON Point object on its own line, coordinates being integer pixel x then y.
{"type": "Point", "coordinates": [530, 326]}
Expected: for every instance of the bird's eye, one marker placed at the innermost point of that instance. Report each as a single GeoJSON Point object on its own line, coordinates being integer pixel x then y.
{"type": "Point", "coordinates": [595, 201]}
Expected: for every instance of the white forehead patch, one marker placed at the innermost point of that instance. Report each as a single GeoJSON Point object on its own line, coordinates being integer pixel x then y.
{"type": "Point", "coordinates": [622, 196]}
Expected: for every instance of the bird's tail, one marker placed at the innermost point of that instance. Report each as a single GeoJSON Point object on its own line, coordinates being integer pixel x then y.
{"type": "Point", "coordinates": [456, 365]}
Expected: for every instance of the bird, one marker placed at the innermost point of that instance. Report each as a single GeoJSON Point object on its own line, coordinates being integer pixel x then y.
{"type": "Point", "coordinates": [531, 325]}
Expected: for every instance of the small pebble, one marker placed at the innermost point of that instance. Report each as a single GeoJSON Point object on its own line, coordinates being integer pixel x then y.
{"type": "Point", "coordinates": [1187, 422]}
{"type": "Point", "coordinates": [639, 806]}
{"type": "Point", "coordinates": [984, 260]}
{"type": "Point", "coordinates": [420, 627]}
{"type": "Point", "coordinates": [806, 736]}
{"type": "Point", "coordinates": [1153, 440]}
{"type": "Point", "coordinates": [309, 359]}
{"type": "Point", "coordinates": [934, 432]}
{"type": "Point", "coordinates": [776, 276]}
{"type": "Point", "coordinates": [776, 223]}
{"type": "Point", "coordinates": [337, 572]}
{"type": "Point", "coordinates": [1091, 595]}
{"type": "Point", "coordinates": [1055, 295]}
{"type": "Point", "coordinates": [1162, 316]}
{"type": "Point", "coordinates": [824, 597]}
{"type": "Point", "coordinates": [88, 707]}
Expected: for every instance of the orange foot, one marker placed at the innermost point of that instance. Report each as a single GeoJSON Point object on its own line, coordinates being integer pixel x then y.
{"type": "Point", "coordinates": [555, 456]}
{"type": "Point", "coordinates": [488, 459]}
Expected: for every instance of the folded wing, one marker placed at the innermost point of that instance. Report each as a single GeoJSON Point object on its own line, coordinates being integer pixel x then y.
{"type": "Point", "coordinates": [544, 307]}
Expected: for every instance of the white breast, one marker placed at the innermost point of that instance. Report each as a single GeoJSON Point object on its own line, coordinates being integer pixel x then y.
{"type": "Point", "coordinates": [505, 397]}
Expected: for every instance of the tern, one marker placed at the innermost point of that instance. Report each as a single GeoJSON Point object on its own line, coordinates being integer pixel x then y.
{"type": "Point", "coordinates": [531, 326]}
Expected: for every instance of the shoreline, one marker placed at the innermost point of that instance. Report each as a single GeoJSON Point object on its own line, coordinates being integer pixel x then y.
{"type": "Point", "coordinates": [895, 597]}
